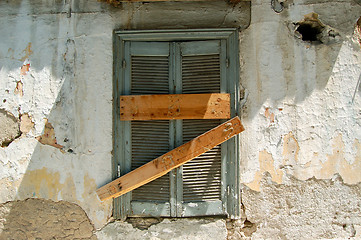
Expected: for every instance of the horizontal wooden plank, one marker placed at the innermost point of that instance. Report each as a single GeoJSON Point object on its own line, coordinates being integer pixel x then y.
{"type": "Point", "coordinates": [175, 106]}
{"type": "Point", "coordinates": [171, 160]}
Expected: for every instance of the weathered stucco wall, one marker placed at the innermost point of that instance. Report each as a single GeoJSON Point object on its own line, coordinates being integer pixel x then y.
{"type": "Point", "coordinates": [302, 121]}
{"type": "Point", "coordinates": [298, 109]}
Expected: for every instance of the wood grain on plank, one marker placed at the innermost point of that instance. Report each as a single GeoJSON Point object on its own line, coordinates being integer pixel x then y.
{"type": "Point", "coordinates": [173, 159]}
{"type": "Point", "coordinates": [175, 106]}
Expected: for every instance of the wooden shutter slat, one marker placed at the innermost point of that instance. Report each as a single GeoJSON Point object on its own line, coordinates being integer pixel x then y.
{"type": "Point", "coordinates": [149, 75]}
{"type": "Point", "coordinates": [201, 176]}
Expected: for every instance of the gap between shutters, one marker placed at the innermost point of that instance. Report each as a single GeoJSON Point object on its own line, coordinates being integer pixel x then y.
{"type": "Point", "coordinates": [175, 106]}
{"type": "Point", "coordinates": [171, 160]}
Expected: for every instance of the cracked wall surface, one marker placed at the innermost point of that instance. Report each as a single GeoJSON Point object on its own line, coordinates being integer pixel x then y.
{"type": "Point", "coordinates": [301, 118]}
{"type": "Point", "coordinates": [294, 209]}
{"type": "Point", "coordinates": [300, 151]}
{"type": "Point", "coordinates": [202, 229]}
{"type": "Point", "coordinates": [300, 109]}
{"type": "Point", "coordinates": [56, 73]}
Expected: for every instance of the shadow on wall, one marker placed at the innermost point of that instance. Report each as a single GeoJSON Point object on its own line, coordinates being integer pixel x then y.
{"type": "Point", "coordinates": [58, 71]}
{"type": "Point", "coordinates": [299, 58]}
{"type": "Point", "coordinates": [62, 96]}
{"type": "Point", "coordinates": [56, 66]}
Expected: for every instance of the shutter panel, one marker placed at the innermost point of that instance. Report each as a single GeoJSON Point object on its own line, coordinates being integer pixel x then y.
{"type": "Point", "coordinates": [202, 175]}
{"type": "Point", "coordinates": [150, 139]}
{"type": "Point", "coordinates": [202, 186]}
{"type": "Point", "coordinates": [149, 74]}
{"type": "Point", "coordinates": [169, 62]}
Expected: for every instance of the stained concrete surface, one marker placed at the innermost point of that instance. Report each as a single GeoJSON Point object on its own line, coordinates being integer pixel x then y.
{"type": "Point", "coordinates": [177, 229]}
{"type": "Point", "coordinates": [312, 209]}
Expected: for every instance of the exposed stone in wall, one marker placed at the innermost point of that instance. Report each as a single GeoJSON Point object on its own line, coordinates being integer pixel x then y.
{"type": "Point", "coordinates": [9, 128]}
{"type": "Point", "coordinates": [312, 209]}
{"type": "Point", "coordinates": [177, 229]}
{"type": "Point", "coordinates": [44, 219]}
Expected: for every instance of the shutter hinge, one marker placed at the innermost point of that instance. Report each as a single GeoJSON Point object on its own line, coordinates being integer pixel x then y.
{"type": "Point", "coordinates": [118, 170]}
{"type": "Point", "coordinates": [227, 62]}
{"type": "Point", "coordinates": [124, 64]}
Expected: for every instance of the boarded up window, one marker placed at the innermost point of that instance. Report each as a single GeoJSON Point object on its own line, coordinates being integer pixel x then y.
{"type": "Point", "coordinates": [162, 65]}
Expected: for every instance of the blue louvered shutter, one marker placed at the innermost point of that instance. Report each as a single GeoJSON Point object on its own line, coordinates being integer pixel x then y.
{"type": "Point", "coordinates": [197, 188]}
{"type": "Point", "coordinates": [148, 73]}
{"type": "Point", "coordinates": [202, 66]}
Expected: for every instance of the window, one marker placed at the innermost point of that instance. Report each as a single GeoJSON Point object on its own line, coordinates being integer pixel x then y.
{"type": "Point", "coordinates": [174, 62]}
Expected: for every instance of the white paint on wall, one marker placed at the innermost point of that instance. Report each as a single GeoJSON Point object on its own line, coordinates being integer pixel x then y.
{"type": "Point", "coordinates": [299, 116]}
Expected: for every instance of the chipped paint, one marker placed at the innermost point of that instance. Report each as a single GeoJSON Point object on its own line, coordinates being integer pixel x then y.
{"type": "Point", "coordinates": [290, 150]}
{"type": "Point", "coordinates": [266, 164]}
{"type": "Point", "coordinates": [336, 162]}
{"type": "Point", "coordinates": [270, 115]}
{"type": "Point", "coordinates": [26, 124]}
{"type": "Point", "coordinates": [40, 183]}
{"type": "Point", "coordinates": [19, 88]}
{"type": "Point", "coordinates": [48, 184]}
{"type": "Point", "coordinates": [48, 137]}
{"type": "Point", "coordinates": [299, 116]}
{"type": "Point", "coordinates": [27, 52]}
{"type": "Point", "coordinates": [25, 69]}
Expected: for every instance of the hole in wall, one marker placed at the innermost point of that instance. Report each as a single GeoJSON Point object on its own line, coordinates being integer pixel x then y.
{"type": "Point", "coordinates": [309, 31]}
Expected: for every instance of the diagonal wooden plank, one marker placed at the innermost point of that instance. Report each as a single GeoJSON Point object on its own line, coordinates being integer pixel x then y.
{"type": "Point", "coordinates": [173, 159]}
{"type": "Point", "coordinates": [175, 106]}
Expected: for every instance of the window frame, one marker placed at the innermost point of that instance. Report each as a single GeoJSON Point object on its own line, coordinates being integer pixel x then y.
{"type": "Point", "coordinates": [121, 205]}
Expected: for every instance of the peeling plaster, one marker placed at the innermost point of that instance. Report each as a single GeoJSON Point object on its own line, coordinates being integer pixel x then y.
{"type": "Point", "coordinates": [19, 88]}
{"type": "Point", "coordinates": [25, 68]}
{"type": "Point", "coordinates": [266, 164]}
{"type": "Point", "coordinates": [296, 104]}
{"type": "Point", "coordinates": [312, 209]}
{"type": "Point", "coordinates": [26, 124]}
{"type": "Point", "coordinates": [336, 163]}
{"type": "Point", "coordinates": [44, 183]}
{"type": "Point", "coordinates": [300, 94]}
{"type": "Point", "coordinates": [290, 150]}
{"type": "Point", "coordinates": [48, 137]}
